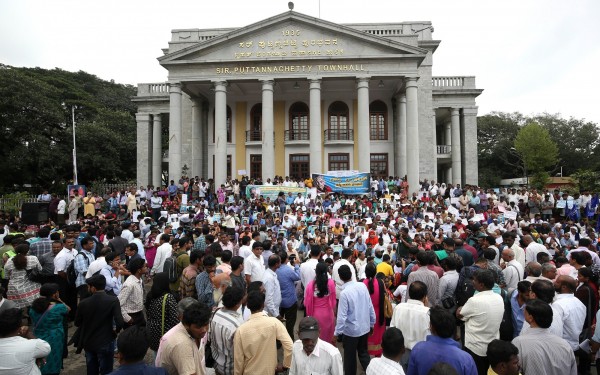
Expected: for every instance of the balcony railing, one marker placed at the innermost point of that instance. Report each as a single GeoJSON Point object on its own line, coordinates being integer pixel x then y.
{"type": "Point", "coordinates": [455, 82]}
{"type": "Point", "coordinates": [444, 149]}
{"type": "Point", "coordinates": [253, 136]}
{"type": "Point", "coordinates": [153, 89]}
{"type": "Point", "coordinates": [339, 135]}
{"type": "Point", "coordinates": [297, 135]}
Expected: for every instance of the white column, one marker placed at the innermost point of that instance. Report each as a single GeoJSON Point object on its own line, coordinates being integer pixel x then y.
{"type": "Point", "coordinates": [196, 169]}
{"type": "Point", "coordinates": [143, 148]}
{"type": "Point", "coordinates": [434, 147]}
{"type": "Point", "coordinates": [400, 141]}
{"type": "Point", "coordinates": [448, 133]}
{"type": "Point", "coordinates": [456, 159]}
{"type": "Point", "coordinates": [268, 146]}
{"type": "Point", "coordinates": [315, 135]}
{"type": "Point", "coordinates": [364, 141]}
{"type": "Point", "coordinates": [157, 154]}
{"type": "Point", "coordinates": [175, 132]}
{"type": "Point", "coordinates": [470, 145]}
{"type": "Point", "coordinates": [220, 172]}
{"type": "Point", "coordinates": [449, 175]}
{"type": "Point", "coordinates": [412, 134]}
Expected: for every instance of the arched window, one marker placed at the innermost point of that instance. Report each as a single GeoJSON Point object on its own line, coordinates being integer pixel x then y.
{"type": "Point", "coordinates": [255, 123]}
{"type": "Point", "coordinates": [378, 120]}
{"type": "Point", "coordinates": [227, 121]}
{"type": "Point", "coordinates": [299, 120]}
{"type": "Point", "coordinates": [338, 122]}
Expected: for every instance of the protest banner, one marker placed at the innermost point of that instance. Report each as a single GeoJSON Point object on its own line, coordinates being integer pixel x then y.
{"type": "Point", "coordinates": [354, 184]}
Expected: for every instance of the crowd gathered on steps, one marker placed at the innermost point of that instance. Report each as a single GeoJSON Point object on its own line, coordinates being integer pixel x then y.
{"type": "Point", "coordinates": [444, 280]}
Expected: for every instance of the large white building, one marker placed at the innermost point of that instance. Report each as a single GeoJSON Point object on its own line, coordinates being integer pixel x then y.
{"type": "Point", "coordinates": [294, 94]}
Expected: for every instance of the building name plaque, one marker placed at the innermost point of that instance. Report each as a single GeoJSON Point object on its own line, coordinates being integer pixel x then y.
{"type": "Point", "coordinates": [291, 43]}
{"type": "Point", "coordinates": [234, 70]}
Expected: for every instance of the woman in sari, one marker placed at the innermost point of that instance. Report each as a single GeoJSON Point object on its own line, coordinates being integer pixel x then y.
{"type": "Point", "coordinates": [319, 301]}
{"type": "Point", "coordinates": [48, 315]}
{"type": "Point", "coordinates": [377, 292]}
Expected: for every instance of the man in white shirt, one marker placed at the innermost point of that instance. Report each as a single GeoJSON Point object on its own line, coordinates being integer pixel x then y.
{"type": "Point", "coordinates": [392, 344]}
{"type": "Point", "coordinates": [272, 287]}
{"type": "Point", "coordinates": [584, 244]}
{"type": "Point", "coordinates": [311, 355]}
{"type": "Point", "coordinates": [532, 249]}
{"type": "Point", "coordinates": [254, 264]}
{"type": "Point", "coordinates": [412, 318]}
{"type": "Point", "coordinates": [126, 233]}
{"type": "Point", "coordinates": [307, 269]}
{"type": "Point", "coordinates": [97, 265]}
{"type": "Point", "coordinates": [163, 251]}
{"type": "Point", "coordinates": [570, 310]}
{"type": "Point", "coordinates": [513, 270]}
{"type": "Point", "coordinates": [346, 254]}
{"type": "Point", "coordinates": [65, 257]}
{"type": "Point", "coordinates": [245, 249]}
{"type": "Point", "coordinates": [482, 315]}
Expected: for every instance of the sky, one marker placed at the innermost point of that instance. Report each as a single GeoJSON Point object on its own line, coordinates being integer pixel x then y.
{"type": "Point", "coordinates": [530, 56]}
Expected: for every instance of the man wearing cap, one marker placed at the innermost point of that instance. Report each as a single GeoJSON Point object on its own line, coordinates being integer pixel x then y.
{"type": "Point", "coordinates": [95, 317]}
{"type": "Point", "coordinates": [311, 355]}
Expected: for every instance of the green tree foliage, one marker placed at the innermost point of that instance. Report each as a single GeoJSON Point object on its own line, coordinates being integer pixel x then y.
{"type": "Point", "coordinates": [587, 180]}
{"type": "Point", "coordinates": [537, 150]}
{"type": "Point", "coordinates": [36, 138]}
{"type": "Point", "coordinates": [577, 141]}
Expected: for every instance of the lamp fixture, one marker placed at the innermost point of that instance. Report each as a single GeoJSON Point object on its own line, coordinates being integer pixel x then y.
{"type": "Point", "coordinates": [296, 85]}
{"type": "Point", "coordinates": [381, 84]}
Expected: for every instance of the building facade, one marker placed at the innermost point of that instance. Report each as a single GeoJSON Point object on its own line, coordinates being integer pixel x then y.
{"type": "Point", "coordinates": [293, 95]}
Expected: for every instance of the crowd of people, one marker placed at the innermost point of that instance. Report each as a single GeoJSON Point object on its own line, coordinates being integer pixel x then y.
{"type": "Point", "coordinates": [445, 280]}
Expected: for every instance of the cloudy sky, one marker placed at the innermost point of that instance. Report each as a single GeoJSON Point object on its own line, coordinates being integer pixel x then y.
{"type": "Point", "coordinates": [530, 56]}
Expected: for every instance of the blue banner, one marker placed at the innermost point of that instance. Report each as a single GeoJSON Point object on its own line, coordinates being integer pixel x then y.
{"type": "Point", "coordinates": [353, 184]}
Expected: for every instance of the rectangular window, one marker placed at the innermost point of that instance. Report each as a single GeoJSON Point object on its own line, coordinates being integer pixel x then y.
{"type": "Point", "coordinates": [299, 166]}
{"type": "Point", "coordinates": [256, 166]}
{"type": "Point", "coordinates": [339, 162]}
{"type": "Point", "coordinates": [379, 165]}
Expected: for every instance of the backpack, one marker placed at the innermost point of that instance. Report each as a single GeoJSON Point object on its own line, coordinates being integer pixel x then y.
{"type": "Point", "coordinates": [71, 272]}
{"type": "Point", "coordinates": [170, 267]}
{"type": "Point", "coordinates": [465, 289]}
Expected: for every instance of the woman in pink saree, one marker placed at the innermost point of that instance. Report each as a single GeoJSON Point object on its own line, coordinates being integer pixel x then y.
{"type": "Point", "coordinates": [319, 301]}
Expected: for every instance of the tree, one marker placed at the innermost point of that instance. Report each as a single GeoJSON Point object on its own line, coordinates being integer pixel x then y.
{"type": "Point", "coordinates": [36, 138]}
{"type": "Point", "coordinates": [578, 141]}
{"type": "Point", "coordinates": [537, 150]}
{"type": "Point", "coordinates": [496, 133]}
{"type": "Point", "coordinates": [587, 180]}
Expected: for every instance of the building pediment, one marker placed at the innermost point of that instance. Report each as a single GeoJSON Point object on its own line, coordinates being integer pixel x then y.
{"type": "Point", "coordinates": [292, 36]}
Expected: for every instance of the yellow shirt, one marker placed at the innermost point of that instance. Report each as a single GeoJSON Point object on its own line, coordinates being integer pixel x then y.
{"type": "Point", "coordinates": [254, 345]}
{"type": "Point", "coordinates": [385, 269]}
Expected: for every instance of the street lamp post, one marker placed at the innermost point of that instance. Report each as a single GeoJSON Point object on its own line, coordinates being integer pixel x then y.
{"type": "Point", "coordinates": [74, 149]}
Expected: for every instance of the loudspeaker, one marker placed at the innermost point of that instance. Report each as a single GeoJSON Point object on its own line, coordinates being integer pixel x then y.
{"type": "Point", "coordinates": [34, 213]}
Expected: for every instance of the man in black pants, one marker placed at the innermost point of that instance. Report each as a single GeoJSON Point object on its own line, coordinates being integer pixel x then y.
{"type": "Point", "coordinates": [355, 321]}
{"type": "Point", "coordinates": [95, 318]}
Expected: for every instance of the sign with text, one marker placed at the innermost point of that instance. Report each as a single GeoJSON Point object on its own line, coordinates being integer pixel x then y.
{"type": "Point", "coordinates": [353, 184]}
{"type": "Point", "coordinates": [272, 191]}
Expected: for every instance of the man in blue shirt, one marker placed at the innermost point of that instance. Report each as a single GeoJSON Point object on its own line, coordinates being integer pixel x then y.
{"type": "Point", "coordinates": [440, 347]}
{"type": "Point", "coordinates": [355, 321]}
{"type": "Point", "coordinates": [288, 275]}
{"type": "Point", "coordinates": [517, 304]}
{"type": "Point", "coordinates": [172, 190]}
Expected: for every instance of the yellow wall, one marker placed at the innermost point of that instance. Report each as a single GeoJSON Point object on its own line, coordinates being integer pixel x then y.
{"type": "Point", "coordinates": [240, 138]}
{"type": "Point", "coordinates": [279, 127]}
{"type": "Point", "coordinates": [355, 127]}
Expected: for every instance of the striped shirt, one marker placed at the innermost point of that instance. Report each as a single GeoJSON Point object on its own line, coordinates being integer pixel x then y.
{"type": "Point", "coordinates": [222, 328]}
{"type": "Point", "coordinates": [543, 353]}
